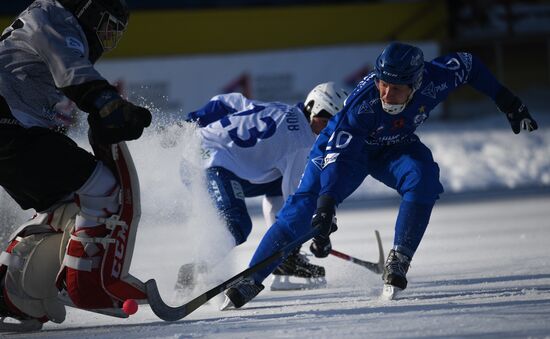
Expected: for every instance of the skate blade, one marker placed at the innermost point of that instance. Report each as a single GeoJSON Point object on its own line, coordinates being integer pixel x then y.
{"type": "Point", "coordinates": [14, 325]}
{"type": "Point", "coordinates": [283, 283]}
{"type": "Point", "coordinates": [227, 305]}
{"type": "Point", "coordinates": [390, 292]}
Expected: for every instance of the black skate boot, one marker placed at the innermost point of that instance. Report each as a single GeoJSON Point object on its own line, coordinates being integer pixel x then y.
{"type": "Point", "coordinates": [243, 292]}
{"type": "Point", "coordinates": [298, 266]}
{"type": "Point", "coordinates": [395, 274]}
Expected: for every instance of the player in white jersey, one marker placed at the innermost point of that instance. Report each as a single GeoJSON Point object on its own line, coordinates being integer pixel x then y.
{"type": "Point", "coordinates": [254, 148]}
{"type": "Point", "coordinates": [46, 55]}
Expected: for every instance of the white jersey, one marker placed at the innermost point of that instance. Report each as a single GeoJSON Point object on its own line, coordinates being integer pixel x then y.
{"type": "Point", "coordinates": [258, 141]}
{"type": "Point", "coordinates": [43, 50]}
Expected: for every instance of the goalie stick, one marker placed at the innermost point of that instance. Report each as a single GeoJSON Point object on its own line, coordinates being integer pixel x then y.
{"type": "Point", "coordinates": [377, 267]}
{"type": "Point", "coordinates": [169, 313]}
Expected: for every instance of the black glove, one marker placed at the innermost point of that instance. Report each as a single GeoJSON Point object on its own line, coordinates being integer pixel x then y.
{"type": "Point", "coordinates": [516, 112]}
{"type": "Point", "coordinates": [324, 219]}
{"type": "Point", "coordinates": [118, 120]}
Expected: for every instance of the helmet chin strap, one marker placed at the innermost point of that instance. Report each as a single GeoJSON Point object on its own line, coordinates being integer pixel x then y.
{"type": "Point", "coordinates": [395, 109]}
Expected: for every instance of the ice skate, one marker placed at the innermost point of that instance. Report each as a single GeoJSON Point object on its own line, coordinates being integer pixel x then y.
{"type": "Point", "coordinates": [297, 273]}
{"type": "Point", "coordinates": [394, 276]}
{"type": "Point", "coordinates": [242, 293]}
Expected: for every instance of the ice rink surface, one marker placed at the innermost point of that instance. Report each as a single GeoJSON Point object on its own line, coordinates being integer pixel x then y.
{"type": "Point", "coordinates": [482, 271]}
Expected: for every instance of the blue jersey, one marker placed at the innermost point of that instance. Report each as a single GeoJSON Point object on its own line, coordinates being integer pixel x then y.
{"type": "Point", "coordinates": [363, 127]}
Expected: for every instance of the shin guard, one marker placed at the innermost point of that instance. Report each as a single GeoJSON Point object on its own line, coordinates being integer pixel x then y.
{"type": "Point", "coordinates": [95, 269]}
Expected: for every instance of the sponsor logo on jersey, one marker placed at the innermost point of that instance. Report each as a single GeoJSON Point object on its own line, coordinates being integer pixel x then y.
{"type": "Point", "coordinates": [431, 89]}
{"type": "Point", "coordinates": [74, 43]}
{"type": "Point", "coordinates": [386, 140]}
{"type": "Point", "coordinates": [398, 124]}
{"type": "Point", "coordinates": [330, 158]}
{"type": "Point", "coordinates": [461, 75]}
{"type": "Point", "coordinates": [318, 162]}
{"type": "Point", "coordinates": [466, 59]}
{"type": "Point", "coordinates": [375, 132]}
{"type": "Point", "coordinates": [365, 108]}
{"type": "Point", "coordinates": [420, 118]}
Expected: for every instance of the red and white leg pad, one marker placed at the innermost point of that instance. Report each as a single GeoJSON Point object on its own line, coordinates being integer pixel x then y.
{"type": "Point", "coordinates": [81, 272]}
{"type": "Point", "coordinates": [95, 268]}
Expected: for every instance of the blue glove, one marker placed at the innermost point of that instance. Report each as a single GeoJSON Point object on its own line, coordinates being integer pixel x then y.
{"type": "Point", "coordinates": [516, 112]}
{"type": "Point", "coordinates": [324, 219]}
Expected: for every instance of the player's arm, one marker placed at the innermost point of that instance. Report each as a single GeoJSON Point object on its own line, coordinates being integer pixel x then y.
{"type": "Point", "coordinates": [342, 170]}
{"type": "Point", "coordinates": [218, 107]}
{"type": "Point", "coordinates": [464, 68]}
{"type": "Point", "coordinates": [342, 173]}
{"type": "Point", "coordinates": [61, 47]}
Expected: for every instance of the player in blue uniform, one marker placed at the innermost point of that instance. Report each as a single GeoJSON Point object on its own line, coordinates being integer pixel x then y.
{"type": "Point", "coordinates": [252, 148]}
{"type": "Point", "coordinates": [374, 135]}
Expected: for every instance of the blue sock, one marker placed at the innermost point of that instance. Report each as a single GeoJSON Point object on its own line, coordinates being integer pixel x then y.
{"type": "Point", "coordinates": [412, 220]}
{"type": "Point", "coordinates": [275, 239]}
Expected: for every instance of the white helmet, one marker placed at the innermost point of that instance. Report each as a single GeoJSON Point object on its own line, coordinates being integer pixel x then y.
{"type": "Point", "coordinates": [326, 97]}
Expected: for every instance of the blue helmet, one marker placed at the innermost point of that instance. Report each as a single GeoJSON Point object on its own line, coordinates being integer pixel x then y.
{"type": "Point", "coordinates": [400, 64]}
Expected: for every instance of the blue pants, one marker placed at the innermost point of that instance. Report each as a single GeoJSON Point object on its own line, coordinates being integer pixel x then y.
{"type": "Point", "coordinates": [228, 192]}
{"type": "Point", "coordinates": [407, 168]}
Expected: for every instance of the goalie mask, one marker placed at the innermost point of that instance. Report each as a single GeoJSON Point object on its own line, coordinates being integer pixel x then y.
{"type": "Point", "coordinates": [103, 21]}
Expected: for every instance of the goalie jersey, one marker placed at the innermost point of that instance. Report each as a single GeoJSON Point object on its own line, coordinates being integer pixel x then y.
{"type": "Point", "coordinates": [257, 141]}
{"type": "Point", "coordinates": [46, 43]}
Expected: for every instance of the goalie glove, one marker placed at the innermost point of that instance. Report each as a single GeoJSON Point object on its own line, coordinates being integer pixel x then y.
{"type": "Point", "coordinates": [111, 118]}
{"type": "Point", "coordinates": [325, 220]}
{"type": "Point", "coordinates": [516, 112]}
{"type": "Point", "coordinates": [118, 119]}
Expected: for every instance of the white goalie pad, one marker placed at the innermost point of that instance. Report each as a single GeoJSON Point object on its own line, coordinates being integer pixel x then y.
{"type": "Point", "coordinates": [30, 277]}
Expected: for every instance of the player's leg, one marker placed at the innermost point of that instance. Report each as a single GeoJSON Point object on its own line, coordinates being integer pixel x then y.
{"type": "Point", "coordinates": [228, 193]}
{"type": "Point", "coordinates": [81, 274]}
{"type": "Point", "coordinates": [295, 272]}
{"type": "Point", "coordinates": [293, 220]}
{"type": "Point", "coordinates": [40, 169]}
{"type": "Point", "coordinates": [411, 170]}
{"type": "Point", "coordinates": [272, 202]}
